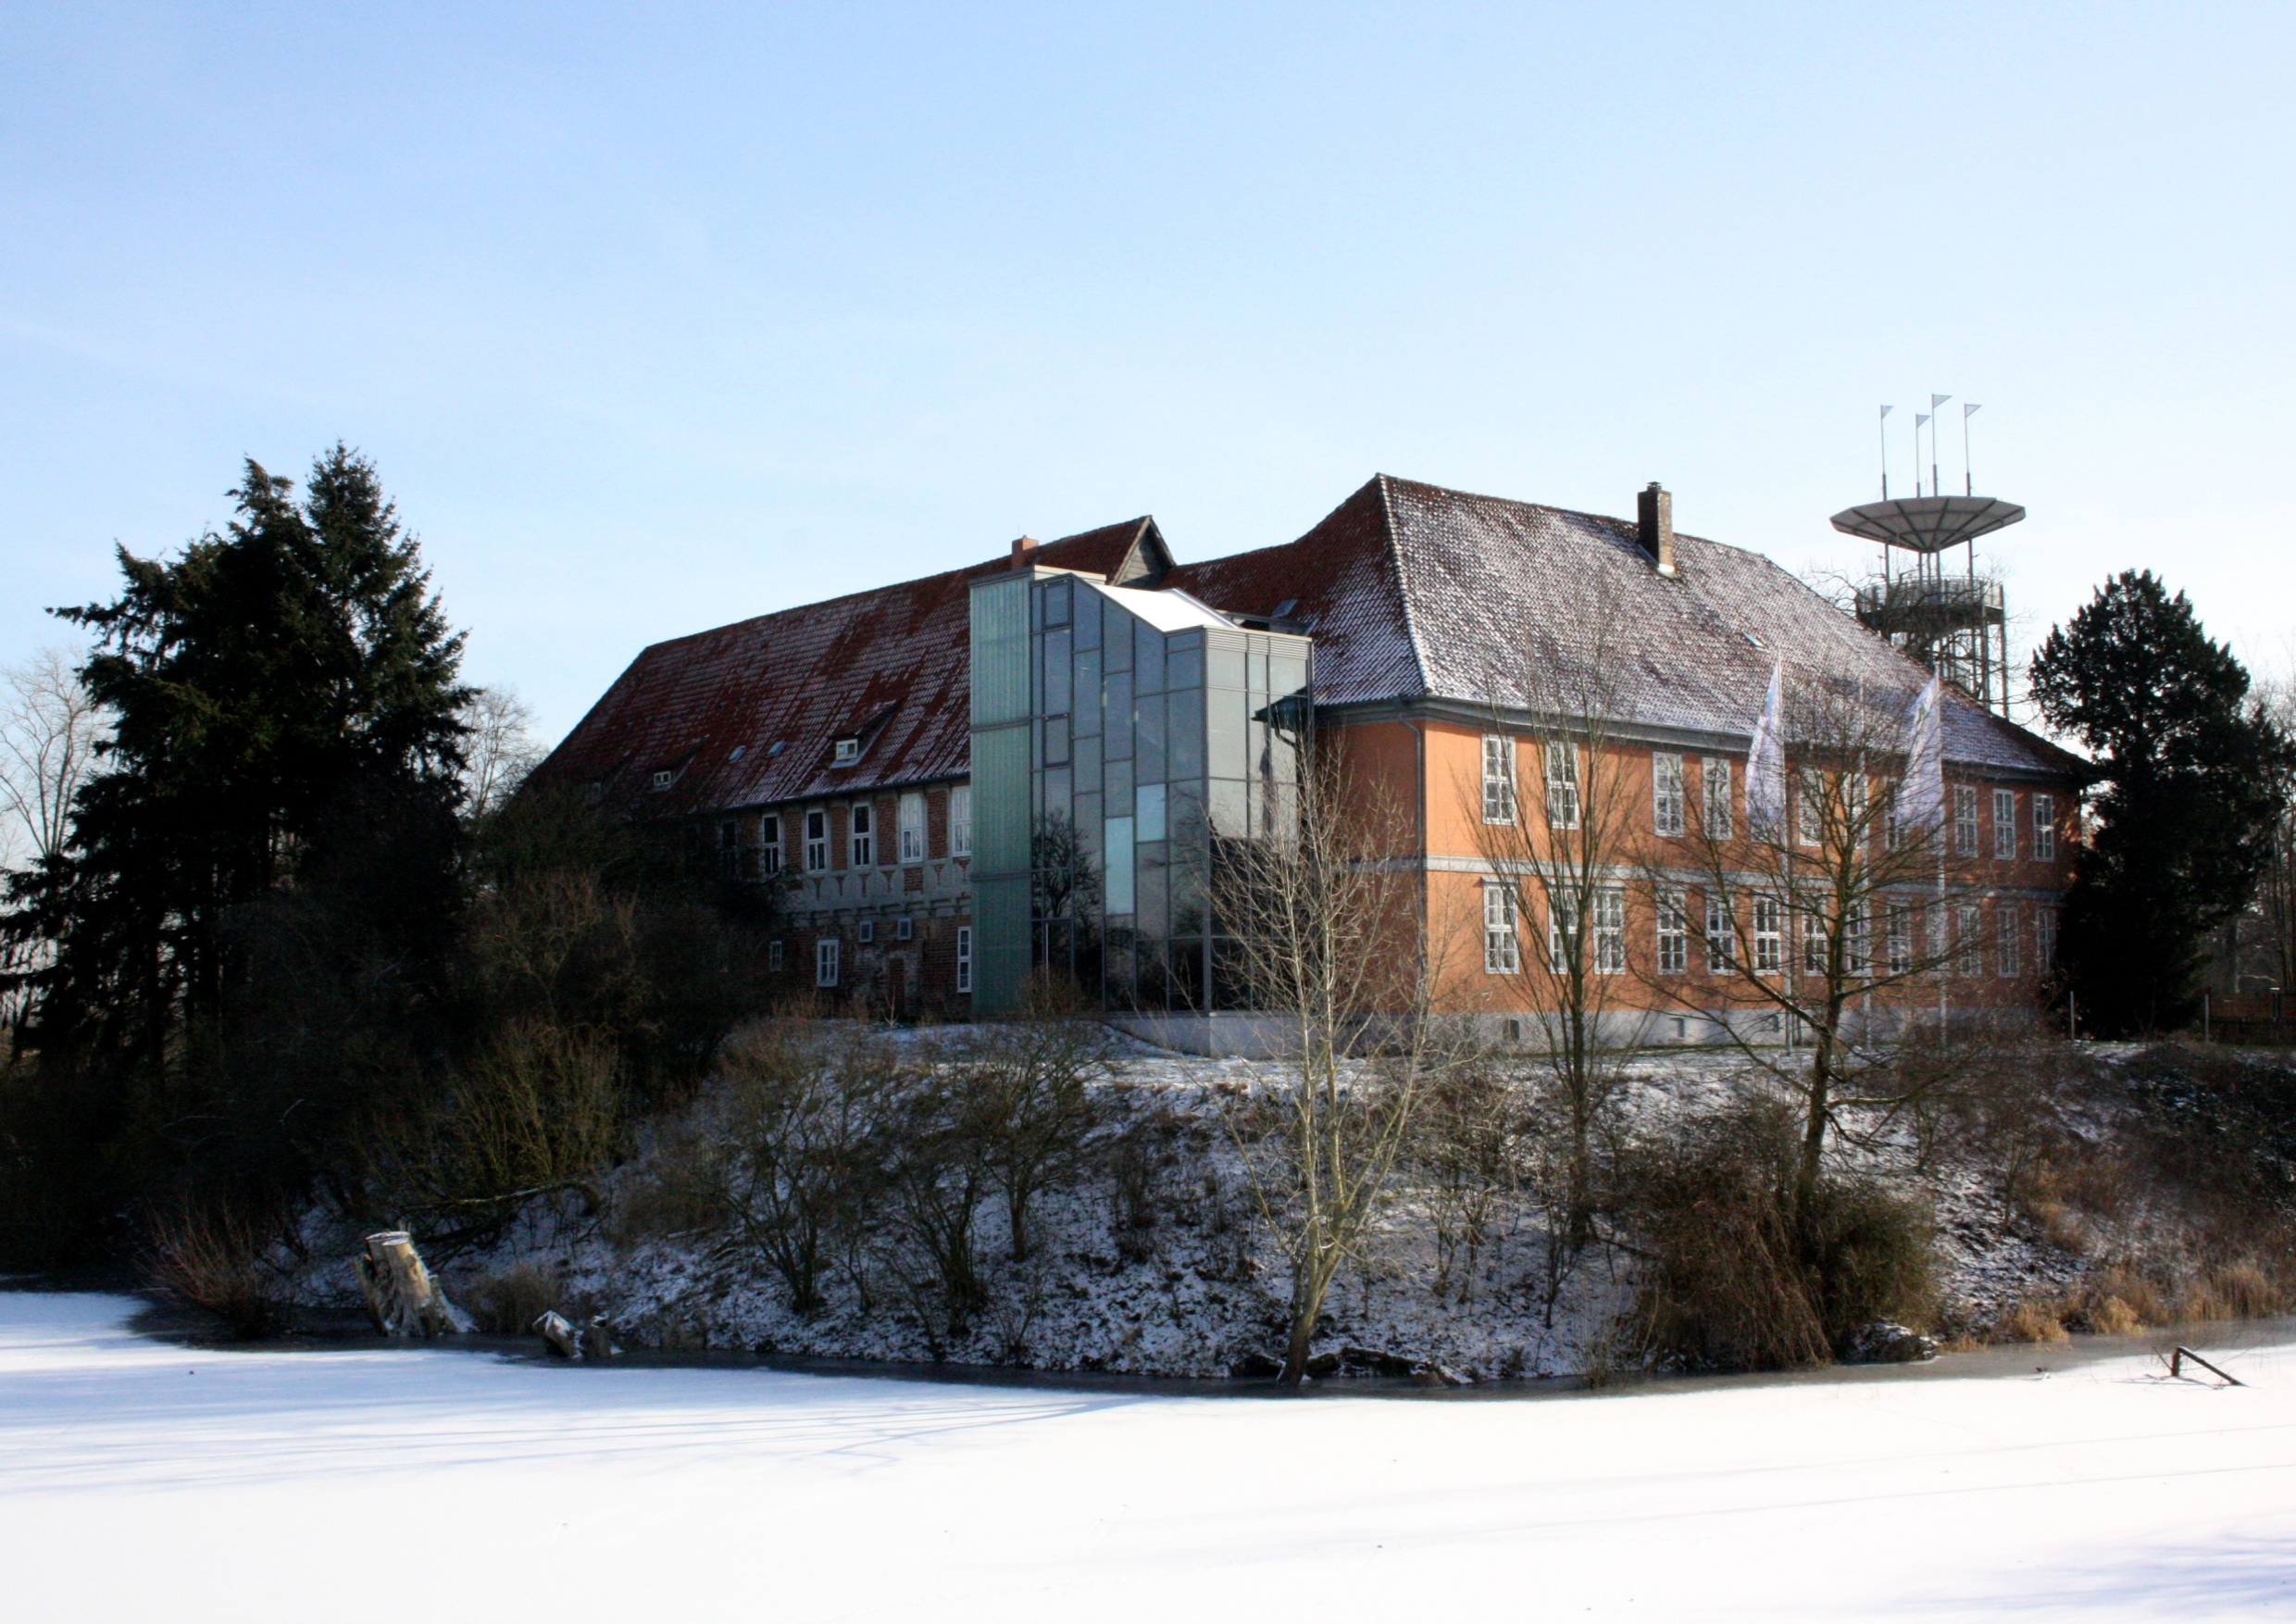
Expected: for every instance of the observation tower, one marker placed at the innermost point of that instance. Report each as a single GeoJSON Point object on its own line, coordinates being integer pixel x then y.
{"type": "Point", "coordinates": [1951, 619]}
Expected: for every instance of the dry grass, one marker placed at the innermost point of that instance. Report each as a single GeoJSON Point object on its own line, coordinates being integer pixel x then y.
{"type": "Point", "coordinates": [2035, 1320]}
{"type": "Point", "coordinates": [215, 1258]}
{"type": "Point", "coordinates": [508, 1304]}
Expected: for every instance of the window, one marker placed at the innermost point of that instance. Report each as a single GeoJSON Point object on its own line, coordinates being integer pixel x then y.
{"type": "Point", "coordinates": [664, 777]}
{"type": "Point", "coordinates": [1721, 932]}
{"type": "Point", "coordinates": [773, 956]}
{"type": "Point", "coordinates": [1562, 786]}
{"type": "Point", "coordinates": [1892, 818]}
{"type": "Point", "coordinates": [2005, 933]}
{"type": "Point", "coordinates": [1898, 940]}
{"type": "Point", "coordinates": [729, 850]}
{"type": "Point", "coordinates": [1769, 935]}
{"type": "Point", "coordinates": [964, 958]}
{"type": "Point", "coordinates": [1610, 929]}
{"type": "Point", "coordinates": [1715, 794]}
{"type": "Point", "coordinates": [1856, 829]}
{"type": "Point", "coordinates": [1498, 778]}
{"type": "Point", "coordinates": [1815, 940]}
{"type": "Point", "coordinates": [961, 821]}
{"type": "Point", "coordinates": [1965, 822]}
{"type": "Point", "coordinates": [770, 843]}
{"type": "Point", "coordinates": [1673, 932]}
{"type": "Point", "coordinates": [816, 842]}
{"type": "Point", "coordinates": [913, 827]}
{"type": "Point", "coordinates": [2045, 827]}
{"type": "Point", "coordinates": [1969, 935]}
{"type": "Point", "coordinates": [2005, 825]}
{"type": "Point", "coordinates": [866, 931]}
{"type": "Point", "coordinates": [825, 962]}
{"type": "Point", "coordinates": [904, 929]}
{"type": "Point", "coordinates": [1861, 938]}
{"type": "Point", "coordinates": [1502, 955]}
{"type": "Point", "coordinates": [1667, 794]}
{"type": "Point", "coordinates": [864, 837]}
{"type": "Point", "coordinates": [846, 752]}
{"type": "Point", "coordinates": [2044, 941]}
{"type": "Point", "coordinates": [1562, 929]}
{"type": "Point", "coordinates": [1809, 806]}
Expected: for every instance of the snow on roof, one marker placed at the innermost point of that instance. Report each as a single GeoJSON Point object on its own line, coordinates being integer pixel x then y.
{"type": "Point", "coordinates": [1167, 611]}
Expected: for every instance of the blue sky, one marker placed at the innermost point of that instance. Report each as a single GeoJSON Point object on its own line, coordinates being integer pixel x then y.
{"type": "Point", "coordinates": [658, 317]}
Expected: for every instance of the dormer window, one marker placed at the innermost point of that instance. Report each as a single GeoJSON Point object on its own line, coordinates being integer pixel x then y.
{"type": "Point", "coordinates": [664, 777]}
{"type": "Point", "coordinates": [848, 751]}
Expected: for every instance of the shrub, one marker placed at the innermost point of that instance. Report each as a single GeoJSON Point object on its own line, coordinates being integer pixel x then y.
{"type": "Point", "coordinates": [1734, 1278]}
{"type": "Point", "coordinates": [214, 1258]}
{"type": "Point", "coordinates": [2032, 1320]}
{"type": "Point", "coordinates": [508, 1304]}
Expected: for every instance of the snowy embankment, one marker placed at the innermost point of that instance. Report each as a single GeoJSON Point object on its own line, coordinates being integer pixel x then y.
{"type": "Point", "coordinates": [143, 1480]}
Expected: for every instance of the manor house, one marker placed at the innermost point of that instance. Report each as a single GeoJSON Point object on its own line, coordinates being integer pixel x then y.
{"type": "Point", "coordinates": [954, 780]}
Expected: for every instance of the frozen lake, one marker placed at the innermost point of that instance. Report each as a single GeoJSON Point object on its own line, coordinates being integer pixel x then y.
{"type": "Point", "coordinates": [141, 1480]}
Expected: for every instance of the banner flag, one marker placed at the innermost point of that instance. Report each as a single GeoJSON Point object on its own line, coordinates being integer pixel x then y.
{"type": "Point", "coordinates": [1921, 796]}
{"type": "Point", "coordinates": [1765, 765]}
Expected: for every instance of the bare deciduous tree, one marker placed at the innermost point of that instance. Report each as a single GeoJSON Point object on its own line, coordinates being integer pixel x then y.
{"type": "Point", "coordinates": [50, 734]}
{"type": "Point", "coordinates": [499, 750]}
{"type": "Point", "coordinates": [1804, 916]}
{"type": "Point", "coordinates": [1553, 808]}
{"type": "Point", "coordinates": [1325, 948]}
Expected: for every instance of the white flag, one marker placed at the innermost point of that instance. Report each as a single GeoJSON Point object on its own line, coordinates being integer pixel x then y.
{"type": "Point", "coordinates": [1921, 796]}
{"type": "Point", "coordinates": [1765, 765]}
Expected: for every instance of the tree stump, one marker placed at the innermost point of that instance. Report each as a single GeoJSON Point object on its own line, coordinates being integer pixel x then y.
{"type": "Point", "coordinates": [402, 1298]}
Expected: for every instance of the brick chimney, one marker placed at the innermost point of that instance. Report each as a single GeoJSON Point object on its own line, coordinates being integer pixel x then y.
{"type": "Point", "coordinates": [1655, 509]}
{"type": "Point", "coordinates": [1024, 550]}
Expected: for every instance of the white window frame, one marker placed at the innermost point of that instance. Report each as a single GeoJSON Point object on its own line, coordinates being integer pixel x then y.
{"type": "Point", "coordinates": [861, 835]}
{"type": "Point", "coordinates": [817, 841]}
{"type": "Point", "coordinates": [1666, 792]}
{"type": "Point", "coordinates": [1809, 806]}
{"type": "Point", "coordinates": [1610, 929]}
{"type": "Point", "coordinates": [2045, 829]}
{"type": "Point", "coordinates": [964, 958]}
{"type": "Point", "coordinates": [1673, 933]}
{"type": "Point", "coordinates": [824, 965]}
{"type": "Point", "coordinates": [1898, 937]}
{"type": "Point", "coordinates": [1769, 935]}
{"type": "Point", "coordinates": [2044, 941]}
{"type": "Point", "coordinates": [912, 826]}
{"type": "Point", "coordinates": [1965, 820]}
{"type": "Point", "coordinates": [2007, 941]}
{"type": "Point", "coordinates": [1721, 932]}
{"type": "Point", "coordinates": [846, 753]}
{"type": "Point", "coordinates": [1714, 796]}
{"type": "Point", "coordinates": [1816, 940]}
{"type": "Point", "coordinates": [773, 955]}
{"type": "Point", "coordinates": [1562, 761]}
{"type": "Point", "coordinates": [961, 824]}
{"type": "Point", "coordinates": [1502, 952]}
{"type": "Point", "coordinates": [1968, 938]}
{"type": "Point", "coordinates": [1498, 778]}
{"type": "Point", "coordinates": [769, 844]}
{"type": "Point", "coordinates": [2004, 826]}
{"type": "Point", "coordinates": [1859, 959]}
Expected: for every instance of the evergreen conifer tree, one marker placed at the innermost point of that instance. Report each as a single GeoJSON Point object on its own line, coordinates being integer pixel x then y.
{"type": "Point", "coordinates": [2193, 779]}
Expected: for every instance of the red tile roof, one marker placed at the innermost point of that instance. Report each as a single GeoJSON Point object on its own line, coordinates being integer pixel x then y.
{"type": "Point", "coordinates": [1407, 588]}
{"type": "Point", "coordinates": [748, 715]}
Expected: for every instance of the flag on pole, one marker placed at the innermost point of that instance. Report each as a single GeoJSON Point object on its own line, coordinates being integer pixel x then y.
{"type": "Point", "coordinates": [1938, 400]}
{"type": "Point", "coordinates": [1765, 765]}
{"type": "Point", "coordinates": [1921, 794]}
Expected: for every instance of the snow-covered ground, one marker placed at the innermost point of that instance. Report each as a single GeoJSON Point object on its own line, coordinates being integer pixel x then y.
{"type": "Point", "coordinates": [142, 1480]}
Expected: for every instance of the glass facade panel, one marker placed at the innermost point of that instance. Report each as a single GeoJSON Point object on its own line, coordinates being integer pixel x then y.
{"type": "Point", "coordinates": [1116, 720]}
{"type": "Point", "coordinates": [1148, 749]}
{"type": "Point", "coordinates": [1147, 658]}
{"type": "Point", "coordinates": [1148, 738]}
{"type": "Point", "coordinates": [1120, 893]}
